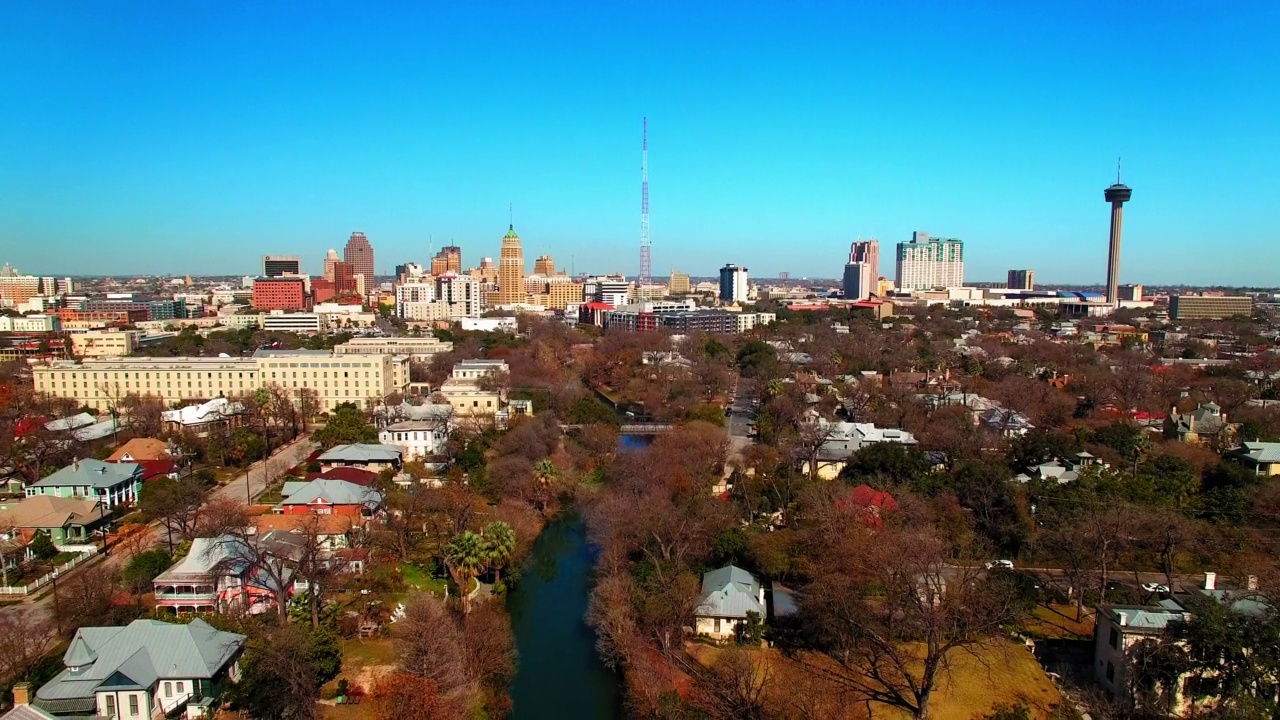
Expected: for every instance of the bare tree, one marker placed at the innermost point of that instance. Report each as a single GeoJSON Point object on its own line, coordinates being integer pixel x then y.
{"type": "Point", "coordinates": [241, 553]}
{"type": "Point", "coordinates": [25, 639]}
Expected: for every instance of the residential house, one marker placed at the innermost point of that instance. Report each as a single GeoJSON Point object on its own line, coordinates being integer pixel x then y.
{"type": "Point", "coordinates": [22, 707]}
{"type": "Point", "coordinates": [372, 457]}
{"type": "Point", "coordinates": [329, 497]}
{"type": "Point", "coordinates": [1262, 457]}
{"type": "Point", "coordinates": [109, 483]}
{"type": "Point", "coordinates": [66, 520]}
{"type": "Point", "coordinates": [1117, 629]}
{"type": "Point", "coordinates": [845, 438]}
{"type": "Point", "coordinates": [350, 474]}
{"type": "Point", "coordinates": [156, 457]}
{"type": "Point", "coordinates": [218, 573]}
{"type": "Point", "coordinates": [1063, 470]}
{"type": "Point", "coordinates": [1006, 422]}
{"type": "Point", "coordinates": [334, 532]}
{"type": "Point", "coordinates": [728, 594]}
{"type": "Point", "coordinates": [419, 439]}
{"type": "Point", "coordinates": [1206, 424]}
{"type": "Point", "coordinates": [147, 669]}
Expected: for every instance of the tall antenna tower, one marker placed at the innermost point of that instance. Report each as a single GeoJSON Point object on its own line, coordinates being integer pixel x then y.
{"type": "Point", "coordinates": [645, 260]}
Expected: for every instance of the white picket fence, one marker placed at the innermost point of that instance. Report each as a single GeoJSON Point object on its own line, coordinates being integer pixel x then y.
{"type": "Point", "coordinates": [85, 552]}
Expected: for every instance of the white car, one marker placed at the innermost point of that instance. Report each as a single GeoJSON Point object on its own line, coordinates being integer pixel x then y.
{"type": "Point", "coordinates": [1155, 588]}
{"type": "Point", "coordinates": [1002, 564]}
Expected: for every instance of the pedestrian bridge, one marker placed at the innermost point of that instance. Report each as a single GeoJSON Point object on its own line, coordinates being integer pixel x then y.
{"type": "Point", "coordinates": [633, 428]}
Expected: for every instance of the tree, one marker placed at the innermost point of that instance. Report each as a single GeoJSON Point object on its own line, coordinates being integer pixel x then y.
{"type": "Point", "coordinates": [346, 425]}
{"type": "Point", "coordinates": [142, 414]}
{"type": "Point", "coordinates": [143, 568]}
{"type": "Point", "coordinates": [545, 474]}
{"type": "Point", "coordinates": [42, 547]}
{"type": "Point", "coordinates": [465, 557]}
{"type": "Point", "coordinates": [892, 615]}
{"type": "Point", "coordinates": [499, 546]}
{"type": "Point", "coordinates": [430, 644]}
{"type": "Point", "coordinates": [25, 639]}
{"type": "Point", "coordinates": [282, 670]}
{"type": "Point", "coordinates": [239, 546]}
{"type": "Point", "coordinates": [402, 696]}
{"type": "Point", "coordinates": [175, 503]}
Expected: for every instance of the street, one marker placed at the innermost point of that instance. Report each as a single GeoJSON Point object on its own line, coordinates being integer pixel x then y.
{"type": "Point", "coordinates": [741, 417]}
{"type": "Point", "coordinates": [284, 458]}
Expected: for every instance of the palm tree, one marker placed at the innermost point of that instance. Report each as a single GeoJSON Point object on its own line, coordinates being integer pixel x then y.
{"type": "Point", "coordinates": [499, 545]}
{"type": "Point", "coordinates": [544, 474]}
{"type": "Point", "coordinates": [466, 558]}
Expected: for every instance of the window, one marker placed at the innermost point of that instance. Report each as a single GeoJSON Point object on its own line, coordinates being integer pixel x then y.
{"type": "Point", "coordinates": [1115, 638]}
{"type": "Point", "coordinates": [717, 624]}
{"type": "Point", "coordinates": [1111, 671]}
{"type": "Point", "coordinates": [109, 704]}
{"type": "Point", "coordinates": [181, 687]}
{"type": "Point", "coordinates": [133, 705]}
{"type": "Point", "coordinates": [168, 689]}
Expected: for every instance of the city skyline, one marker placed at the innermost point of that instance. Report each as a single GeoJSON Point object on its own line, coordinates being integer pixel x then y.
{"type": "Point", "coordinates": [879, 122]}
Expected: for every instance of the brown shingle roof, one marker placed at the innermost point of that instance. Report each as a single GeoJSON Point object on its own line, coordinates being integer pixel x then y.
{"type": "Point", "coordinates": [140, 449]}
{"type": "Point", "coordinates": [47, 511]}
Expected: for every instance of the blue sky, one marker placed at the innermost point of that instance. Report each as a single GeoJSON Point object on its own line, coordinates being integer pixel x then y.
{"type": "Point", "coordinates": [193, 137]}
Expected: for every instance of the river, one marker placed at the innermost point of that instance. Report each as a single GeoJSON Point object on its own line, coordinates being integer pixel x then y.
{"type": "Point", "coordinates": [559, 673]}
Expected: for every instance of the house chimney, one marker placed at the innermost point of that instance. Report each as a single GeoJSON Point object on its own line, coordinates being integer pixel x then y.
{"type": "Point", "coordinates": [1251, 583]}
{"type": "Point", "coordinates": [1123, 618]}
{"type": "Point", "coordinates": [762, 596]}
{"type": "Point", "coordinates": [75, 464]}
{"type": "Point", "coordinates": [22, 694]}
{"type": "Point", "coordinates": [1210, 580]}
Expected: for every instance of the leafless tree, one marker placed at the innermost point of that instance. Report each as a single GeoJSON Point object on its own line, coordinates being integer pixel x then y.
{"type": "Point", "coordinates": [25, 639]}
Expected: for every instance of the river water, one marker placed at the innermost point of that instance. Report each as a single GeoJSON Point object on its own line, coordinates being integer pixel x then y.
{"type": "Point", "coordinates": [559, 673]}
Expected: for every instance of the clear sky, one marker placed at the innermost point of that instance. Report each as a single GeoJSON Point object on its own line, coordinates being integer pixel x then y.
{"type": "Point", "coordinates": [192, 137]}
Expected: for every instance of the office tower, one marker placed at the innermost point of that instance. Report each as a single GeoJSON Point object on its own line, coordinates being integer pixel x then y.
{"type": "Point", "coordinates": [926, 263]}
{"type": "Point", "coordinates": [511, 270]}
{"type": "Point", "coordinates": [733, 284]}
{"type": "Point", "coordinates": [544, 265]}
{"type": "Point", "coordinates": [1202, 307]}
{"type": "Point", "coordinates": [1022, 280]}
{"type": "Point", "coordinates": [1117, 195]}
{"type": "Point", "coordinates": [460, 294]}
{"type": "Point", "coordinates": [859, 282]}
{"type": "Point", "coordinates": [330, 259]}
{"type": "Point", "coordinates": [359, 253]}
{"type": "Point", "coordinates": [16, 289]}
{"type": "Point", "coordinates": [281, 294]}
{"type": "Point", "coordinates": [344, 279]}
{"type": "Point", "coordinates": [866, 252]}
{"type": "Point", "coordinates": [277, 265]}
{"type": "Point", "coordinates": [486, 273]}
{"type": "Point", "coordinates": [449, 259]}
{"type": "Point", "coordinates": [612, 290]}
{"type": "Point", "coordinates": [1130, 293]}
{"type": "Point", "coordinates": [679, 284]}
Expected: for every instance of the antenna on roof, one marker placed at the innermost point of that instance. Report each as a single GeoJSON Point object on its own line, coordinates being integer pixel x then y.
{"type": "Point", "coordinates": [1117, 170]}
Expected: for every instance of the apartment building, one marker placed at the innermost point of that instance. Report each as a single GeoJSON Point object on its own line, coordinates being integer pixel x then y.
{"type": "Point", "coordinates": [31, 324]}
{"type": "Point", "coordinates": [1200, 307]}
{"type": "Point", "coordinates": [103, 344]}
{"type": "Point", "coordinates": [926, 263]}
{"type": "Point", "coordinates": [100, 383]}
{"type": "Point", "coordinates": [283, 293]}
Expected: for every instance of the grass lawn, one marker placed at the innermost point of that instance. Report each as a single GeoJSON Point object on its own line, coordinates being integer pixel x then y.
{"type": "Point", "coordinates": [418, 578]}
{"type": "Point", "coordinates": [1059, 622]}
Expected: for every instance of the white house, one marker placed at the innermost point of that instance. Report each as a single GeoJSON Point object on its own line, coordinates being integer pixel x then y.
{"type": "Point", "coordinates": [728, 594]}
{"type": "Point", "coordinates": [418, 438]}
{"type": "Point", "coordinates": [845, 438]}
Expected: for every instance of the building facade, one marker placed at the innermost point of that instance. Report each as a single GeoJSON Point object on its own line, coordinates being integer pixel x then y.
{"type": "Point", "coordinates": [678, 284]}
{"type": "Point", "coordinates": [1022, 280]}
{"type": "Point", "coordinates": [281, 294]}
{"type": "Point", "coordinates": [359, 253]}
{"type": "Point", "coordinates": [277, 265]}
{"type": "Point", "coordinates": [100, 344]}
{"type": "Point", "coordinates": [1199, 307]}
{"type": "Point", "coordinates": [449, 259]}
{"type": "Point", "coordinates": [858, 281]}
{"type": "Point", "coordinates": [733, 284]}
{"type": "Point", "coordinates": [866, 252]}
{"type": "Point", "coordinates": [511, 270]}
{"type": "Point", "coordinates": [926, 263]}
{"type": "Point", "coordinates": [334, 378]}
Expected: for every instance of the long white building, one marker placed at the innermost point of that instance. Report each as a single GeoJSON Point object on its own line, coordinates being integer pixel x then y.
{"type": "Point", "coordinates": [926, 263]}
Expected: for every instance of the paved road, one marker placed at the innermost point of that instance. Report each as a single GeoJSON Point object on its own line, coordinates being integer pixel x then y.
{"type": "Point", "coordinates": [740, 418]}
{"type": "Point", "coordinates": [284, 458]}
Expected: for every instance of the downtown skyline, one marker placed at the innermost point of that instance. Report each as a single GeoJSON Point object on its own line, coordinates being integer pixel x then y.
{"type": "Point", "coordinates": [775, 140]}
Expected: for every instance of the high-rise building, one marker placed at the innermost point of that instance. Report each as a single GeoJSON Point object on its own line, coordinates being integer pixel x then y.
{"type": "Point", "coordinates": [859, 282]}
{"type": "Point", "coordinates": [1117, 195]}
{"type": "Point", "coordinates": [511, 270]}
{"type": "Point", "coordinates": [544, 265]}
{"type": "Point", "coordinates": [926, 263]}
{"type": "Point", "coordinates": [866, 252]}
{"type": "Point", "coordinates": [359, 253]}
{"type": "Point", "coordinates": [449, 259]}
{"type": "Point", "coordinates": [678, 284]}
{"type": "Point", "coordinates": [277, 265]}
{"type": "Point", "coordinates": [460, 294]}
{"type": "Point", "coordinates": [1022, 280]}
{"type": "Point", "coordinates": [1131, 293]}
{"type": "Point", "coordinates": [486, 273]}
{"type": "Point", "coordinates": [16, 289]}
{"type": "Point", "coordinates": [330, 258]}
{"type": "Point", "coordinates": [281, 294]}
{"type": "Point", "coordinates": [344, 279]}
{"type": "Point", "coordinates": [733, 284]}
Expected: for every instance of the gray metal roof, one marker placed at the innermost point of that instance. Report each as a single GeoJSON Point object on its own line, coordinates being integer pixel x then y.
{"type": "Point", "coordinates": [138, 655]}
{"type": "Point", "coordinates": [334, 492]}
{"type": "Point", "coordinates": [362, 452]}
{"type": "Point", "coordinates": [729, 592]}
{"type": "Point", "coordinates": [1261, 452]}
{"type": "Point", "coordinates": [92, 473]}
{"type": "Point", "coordinates": [27, 712]}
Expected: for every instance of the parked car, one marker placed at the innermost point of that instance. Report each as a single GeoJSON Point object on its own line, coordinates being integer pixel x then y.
{"type": "Point", "coordinates": [1155, 588]}
{"type": "Point", "coordinates": [1002, 564]}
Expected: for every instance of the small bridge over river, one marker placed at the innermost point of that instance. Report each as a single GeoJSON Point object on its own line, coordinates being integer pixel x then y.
{"type": "Point", "coordinates": [633, 428]}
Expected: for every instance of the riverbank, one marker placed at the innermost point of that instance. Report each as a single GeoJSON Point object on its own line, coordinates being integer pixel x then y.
{"type": "Point", "coordinates": [559, 672]}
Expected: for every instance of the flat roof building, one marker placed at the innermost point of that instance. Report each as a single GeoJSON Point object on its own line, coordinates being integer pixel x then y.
{"type": "Point", "coordinates": [1200, 307]}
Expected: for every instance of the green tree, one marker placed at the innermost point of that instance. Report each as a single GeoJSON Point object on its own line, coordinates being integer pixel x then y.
{"type": "Point", "coordinates": [589, 411]}
{"type": "Point", "coordinates": [282, 670]}
{"type": "Point", "coordinates": [346, 425]}
{"type": "Point", "coordinates": [499, 546]}
{"type": "Point", "coordinates": [143, 568]}
{"type": "Point", "coordinates": [706, 412]}
{"type": "Point", "coordinates": [465, 556]}
{"type": "Point", "coordinates": [42, 547]}
{"type": "Point", "coordinates": [881, 464]}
